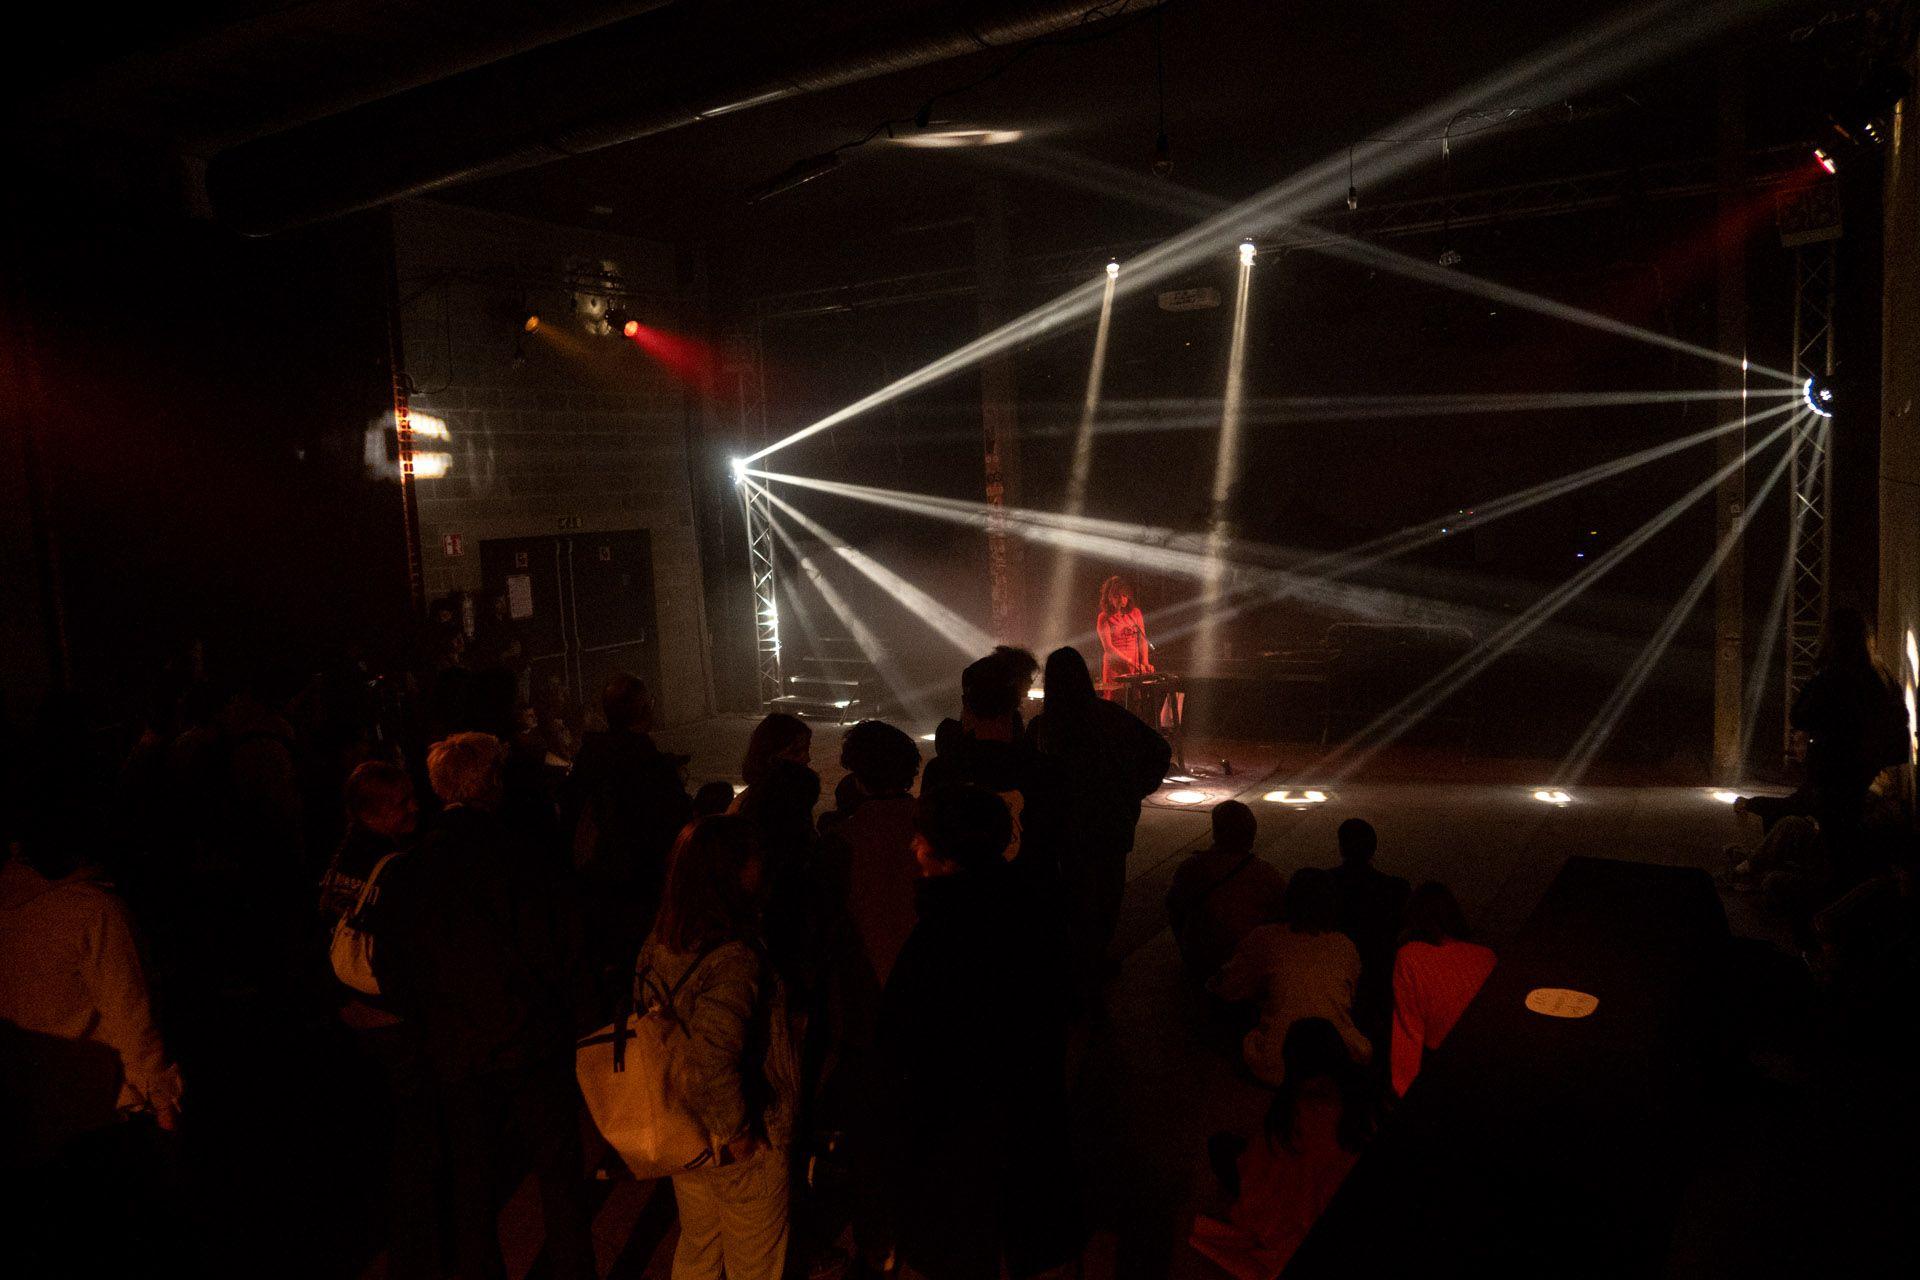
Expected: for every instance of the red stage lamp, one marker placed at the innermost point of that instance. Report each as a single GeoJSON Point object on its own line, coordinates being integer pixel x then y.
{"type": "Point", "coordinates": [631, 328]}
{"type": "Point", "coordinates": [1824, 160]}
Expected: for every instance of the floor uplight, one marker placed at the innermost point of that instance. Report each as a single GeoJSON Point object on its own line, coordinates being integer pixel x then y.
{"type": "Point", "coordinates": [1552, 795]}
{"type": "Point", "coordinates": [1185, 797]}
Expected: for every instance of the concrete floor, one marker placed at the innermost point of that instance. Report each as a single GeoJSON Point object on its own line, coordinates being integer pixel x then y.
{"type": "Point", "coordinates": [1151, 1086]}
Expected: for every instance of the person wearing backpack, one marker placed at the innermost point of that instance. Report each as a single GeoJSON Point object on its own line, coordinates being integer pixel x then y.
{"type": "Point", "coordinates": [382, 814]}
{"type": "Point", "coordinates": [1222, 894]}
{"type": "Point", "coordinates": [737, 1073]}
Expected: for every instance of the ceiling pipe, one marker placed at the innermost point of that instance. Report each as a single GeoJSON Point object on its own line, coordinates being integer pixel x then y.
{"type": "Point", "coordinates": [209, 79]}
{"type": "Point", "coordinates": [663, 71]}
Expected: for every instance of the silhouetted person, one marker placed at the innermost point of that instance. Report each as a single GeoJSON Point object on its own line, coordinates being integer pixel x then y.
{"type": "Point", "coordinates": [712, 798]}
{"type": "Point", "coordinates": [782, 793]}
{"type": "Point", "coordinates": [869, 854]}
{"type": "Point", "coordinates": [1286, 1176]}
{"type": "Point", "coordinates": [485, 969]}
{"type": "Point", "coordinates": [1302, 968]}
{"type": "Point", "coordinates": [1222, 893]}
{"type": "Point", "coordinates": [381, 817]}
{"type": "Point", "coordinates": [782, 788]}
{"type": "Point", "coordinates": [705, 957]}
{"type": "Point", "coordinates": [1435, 977]}
{"type": "Point", "coordinates": [1371, 903]}
{"type": "Point", "coordinates": [991, 750]}
{"type": "Point", "coordinates": [1107, 761]}
{"type": "Point", "coordinates": [966, 1160]}
{"type": "Point", "coordinates": [622, 805]}
{"type": "Point", "coordinates": [1855, 724]}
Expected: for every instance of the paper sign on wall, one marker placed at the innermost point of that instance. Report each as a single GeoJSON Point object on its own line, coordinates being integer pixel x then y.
{"type": "Point", "coordinates": [520, 596]}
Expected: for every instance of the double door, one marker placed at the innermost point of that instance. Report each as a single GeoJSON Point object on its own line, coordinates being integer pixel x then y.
{"type": "Point", "coordinates": [582, 606]}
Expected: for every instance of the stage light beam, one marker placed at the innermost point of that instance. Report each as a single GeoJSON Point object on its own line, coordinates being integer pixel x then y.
{"type": "Point", "coordinates": [1586, 749]}
{"type": "Point", "coordinates": [1347, 758]}
{"type": "Point", "coordinates": [1082, 466]}
{"type": "Point", "coordinates": [1618, 45]}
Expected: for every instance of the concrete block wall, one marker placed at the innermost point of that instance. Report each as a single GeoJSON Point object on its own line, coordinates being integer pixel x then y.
{"type": "Point", "coordinates": [555, 432]}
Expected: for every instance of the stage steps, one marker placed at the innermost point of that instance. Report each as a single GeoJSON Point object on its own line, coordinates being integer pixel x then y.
{"type": "Point", "coordinates": [836, 683]}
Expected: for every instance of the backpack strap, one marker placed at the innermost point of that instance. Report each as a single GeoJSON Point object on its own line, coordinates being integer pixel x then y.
{"type": "Point", "coordinates": [366, 890]}
{"type": "Point", "coordinates": [629, 1002]}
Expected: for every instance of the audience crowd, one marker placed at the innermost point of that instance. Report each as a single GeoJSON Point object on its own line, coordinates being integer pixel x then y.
{"type": "Point", "coordinates": [876, 1005]}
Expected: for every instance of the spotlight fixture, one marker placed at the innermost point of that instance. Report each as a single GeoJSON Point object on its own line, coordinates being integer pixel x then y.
{"type": "Point", "coordinates": [1819, 394]}
{"type": "Point", "coordinates": [1295, 797]}
{"type": "Point", "coordinates": [531, 323]}
{"type": "Point", "coordinates": [1860, 117]}
{"type": "Point", "coordinates": [739, 468]}
{"type": "Point", "coordinates": [1451, 258]}
{"type": "Point", "coordinates": [631, 329]}
{"type": "Point", "coordinates": [1723, 797]}
{"type": "Point", "coordinates": [1246, 253]}
{"type": "Point", "coordinates": [1552, 795]}
{"type": "Point", "coordinates": [1186, 797]}
{"type": "Point", "coordinates": [1824, 158]}
{"type": "Point", "coordinates": [1113, 270]}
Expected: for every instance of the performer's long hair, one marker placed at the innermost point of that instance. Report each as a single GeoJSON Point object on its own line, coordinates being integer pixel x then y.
{"type": "Point", "coordinates": [1110, 590]}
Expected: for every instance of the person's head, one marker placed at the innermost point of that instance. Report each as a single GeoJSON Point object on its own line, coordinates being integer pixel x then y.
{"type": "Point", "coordinates": [713, 885]}
{"type": "Point", "coordinates": [1312, 901]}
{"type": "Point", "coordinates": [778, 737]}
{"type": "Point", "coordinates": [1846, 640]}
{"type": "Point", "coordinates": [1434, 916]}
{"type": "Point", "coordinates": [959, 829]}
{"type": "Point", "coordinates": [712, 798]}
{"type": "Point", "coordinates": [1069, 683]}
{"type": "Point", "coordinates": [1234, 827]}
{"type": "Point", "coordinates": [627, 704]}
{"type": "Point", "coordinates": [1357, 840]}
{"type": "Point", "coordinates": [1116, 595]}
{"type": "Point", "coordinates": [992, 689]}
{"type": "Point", "coordinates": [881, 758]}
{"type": "Point", "coordinates": [465, 769]}
{"type": "Point", "coordinates": [379, 798]}
{"type": "Point", "coordinates": [1314, 1053]}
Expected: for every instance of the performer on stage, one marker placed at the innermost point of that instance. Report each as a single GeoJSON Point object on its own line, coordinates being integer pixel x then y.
{"type": "Point", "coordinates": [1123, 633]}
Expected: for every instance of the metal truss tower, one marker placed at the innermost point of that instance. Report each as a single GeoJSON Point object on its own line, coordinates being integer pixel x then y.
{"type": "Point", "coordinates": [1812, 468]}
{"type": "Point", "coordinates": [751, 383]}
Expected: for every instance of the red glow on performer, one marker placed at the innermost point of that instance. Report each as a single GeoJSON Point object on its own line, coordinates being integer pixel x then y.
{"type": "Point", "coordinates": [1123, 632]}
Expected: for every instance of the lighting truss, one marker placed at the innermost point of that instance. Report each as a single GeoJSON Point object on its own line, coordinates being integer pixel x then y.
{"type": "Point", "coordinates": [766, 609]}
{"type": "Point", "coordinates": [1811, 472]}
{"type": "Point", "coordinates": [750, 381]}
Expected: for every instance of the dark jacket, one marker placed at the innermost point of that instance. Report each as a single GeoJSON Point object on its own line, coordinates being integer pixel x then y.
{"type": "Point", "coordinates": [971, 1158]}
{"type": "Point", "coordinates": [477, 952]}
{"type": "Point", "coordinates": [1371, 906]}
{"type": "Point", "coordinates": [1855, 722]}
{"type": "Point", "coordinates": [1027, 780]}
{"type": "Point", "coordinates": [1108, 761]}
{"type": "Point", "coordinates": [633, 797]}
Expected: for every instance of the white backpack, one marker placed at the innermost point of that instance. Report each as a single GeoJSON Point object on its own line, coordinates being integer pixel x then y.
{"type": "Point", "coordinates": [352, 947]}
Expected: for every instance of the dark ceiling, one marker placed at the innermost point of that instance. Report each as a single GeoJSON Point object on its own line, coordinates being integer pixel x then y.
{"type": "Point", "coordinates": [1253, 89]}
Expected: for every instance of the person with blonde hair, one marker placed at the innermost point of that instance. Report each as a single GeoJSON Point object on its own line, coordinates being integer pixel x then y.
{"type": "Point", "coordinates": [487, 972]}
